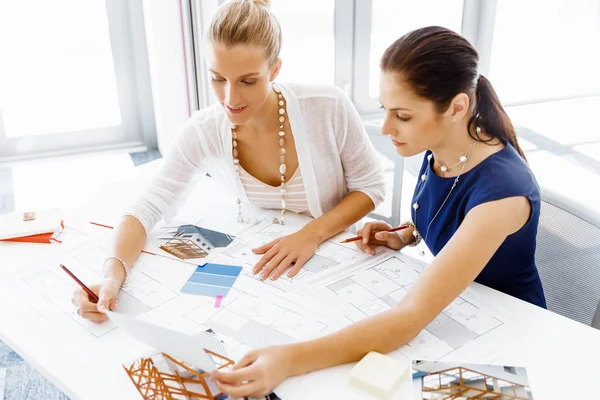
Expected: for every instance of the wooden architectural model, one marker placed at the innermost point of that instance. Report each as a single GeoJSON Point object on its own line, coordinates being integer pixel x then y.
{"type": "Point", "coordinates": [163, 377]}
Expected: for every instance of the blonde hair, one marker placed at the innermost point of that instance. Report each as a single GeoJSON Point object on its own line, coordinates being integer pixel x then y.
{"type": "Point", "coordinates": [248, 22]}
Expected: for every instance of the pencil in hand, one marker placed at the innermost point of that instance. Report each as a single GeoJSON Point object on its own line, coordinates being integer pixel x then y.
{"type": "Point", "coordinates": [91, 294]}
{"type": "Point", "coordinates": [354, 239]}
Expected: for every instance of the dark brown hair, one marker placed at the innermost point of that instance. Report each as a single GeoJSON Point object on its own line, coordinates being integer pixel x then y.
{"type": "Point", "coordinates": [438, 64]}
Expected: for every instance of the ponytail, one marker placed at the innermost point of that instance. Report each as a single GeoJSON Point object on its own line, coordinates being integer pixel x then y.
{"type": "Point", "coordinates": [437, 64]}
{"type": "Point", "coordinates": [489, 114]}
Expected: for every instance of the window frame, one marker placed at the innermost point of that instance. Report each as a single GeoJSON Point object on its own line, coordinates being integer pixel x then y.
{"type": "Point", "coordinates": [137, 131]}
{"type": "Point", "coordinates": [352, 35]}
{"type": "Point", "coordinates": [196, 16]}
{"type": "Point", "coordinates": [477, 27]}
{"type": "Point", "coordinates": [478, 22]}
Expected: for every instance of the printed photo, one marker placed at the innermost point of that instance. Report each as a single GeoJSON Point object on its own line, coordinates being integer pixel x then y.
{"type": "Point", "coordinates": [190, 243]}
{"type": "Point", "coordinates": [436, 380]}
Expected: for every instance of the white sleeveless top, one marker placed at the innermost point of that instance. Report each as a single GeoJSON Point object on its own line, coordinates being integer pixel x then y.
{"type": "Point", "coordinates": [266, 196]}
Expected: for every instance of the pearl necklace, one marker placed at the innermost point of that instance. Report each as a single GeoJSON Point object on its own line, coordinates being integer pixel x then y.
{"type": "Point", "coordinates": [461, 160]}
{"type": "Point", "coordinates": [282, 166]}
{"type": "Point", "coordinates": [415, 206]}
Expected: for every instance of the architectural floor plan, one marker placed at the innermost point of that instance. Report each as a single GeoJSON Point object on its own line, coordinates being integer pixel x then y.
{"type": "Point", "coordinates": [338, 286]}
{"type": "Point", "coordinates": [374, 286]}
{"type": "Point", "coordinates": [331, 255]}
{"type": "Point", "coordinates": [251, 320]}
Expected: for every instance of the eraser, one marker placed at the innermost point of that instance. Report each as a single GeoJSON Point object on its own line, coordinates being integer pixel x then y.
{"type": "Point", "coordinates": [379, 375]}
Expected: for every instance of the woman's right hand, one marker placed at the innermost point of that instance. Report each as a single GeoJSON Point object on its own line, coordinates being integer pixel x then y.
{"type": "Point", "coordinates": [107, 293]}
{"type": "Point", "coordinates": [393, 240]}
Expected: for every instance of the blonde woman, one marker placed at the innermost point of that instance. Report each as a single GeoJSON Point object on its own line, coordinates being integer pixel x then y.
{"type": "Point", "coordinates": [299, 148]}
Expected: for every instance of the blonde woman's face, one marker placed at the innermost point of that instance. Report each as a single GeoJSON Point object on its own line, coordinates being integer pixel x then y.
{"type": "Point", "coordinates": [241, 79]}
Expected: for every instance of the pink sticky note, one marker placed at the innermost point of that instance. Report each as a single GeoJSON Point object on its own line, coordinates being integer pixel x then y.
{"type": "Point", "coordinates": [218, 301]}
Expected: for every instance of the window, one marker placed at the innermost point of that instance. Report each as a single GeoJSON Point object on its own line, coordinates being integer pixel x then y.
{"type": "Point", "coordinates": [431, 381]}
{"type": "Point", "coordinates": [307, 53]}
{"type": "Point", "coordinates": [545, 49]}
{"type": "Point", "coordinates": [529, 50]}
{"type": "Point", "coordinates": [68, 78]}
{"type": "Point", "coordinates": [382, 22]}
{"type": "Point", "coordinates": [510, 370]}
{"type": "Point", "coordinates": [391, 19]}
{"type": "Point", "coordinates": [52, 70]}
{"type": "Point", "coordinates": [308, 40]}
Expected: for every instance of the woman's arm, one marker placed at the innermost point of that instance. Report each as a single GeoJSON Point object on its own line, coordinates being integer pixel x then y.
{"type": "Point", "coordinates": [161, 196]}
{"type": "Point", "coordinates": [128, 241]}
{"type": "Point", "coordinates": [130, 234]}
{"type": "Point", "coordinates": [482, 232]}
{"type": "Point", "coordinates": [350, 210]}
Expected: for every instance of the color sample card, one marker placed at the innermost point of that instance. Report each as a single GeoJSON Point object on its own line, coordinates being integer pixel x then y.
{"type": "Point", "coordinates": [212, 280]}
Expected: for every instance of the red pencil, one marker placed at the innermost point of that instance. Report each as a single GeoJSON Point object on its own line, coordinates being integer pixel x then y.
{"type": "Point", "coordinates": [354, 239]}
{"type": "Point", "coordinates": [87, 289]}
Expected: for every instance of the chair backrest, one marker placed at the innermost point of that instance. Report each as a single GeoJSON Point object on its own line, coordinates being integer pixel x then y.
{"type": "Point", "coordinates": [568, 257]}
{"type": "Point", "coordinates": [596, 320]}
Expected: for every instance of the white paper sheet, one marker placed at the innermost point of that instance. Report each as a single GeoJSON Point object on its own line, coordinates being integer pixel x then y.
{"type": "Point", "coordinates": [378, 283]}
{"type": "Point", "coordinates": [179, 345]}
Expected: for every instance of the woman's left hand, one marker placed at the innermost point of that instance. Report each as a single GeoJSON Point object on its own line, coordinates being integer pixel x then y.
{"type": "Point", "coordinates": [279, 254]}
{"type": "Point", "coordinates": [257, 373]}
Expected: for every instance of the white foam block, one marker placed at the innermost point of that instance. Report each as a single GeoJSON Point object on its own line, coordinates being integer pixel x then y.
{"type": "Point", "coordinates": [379, 375]}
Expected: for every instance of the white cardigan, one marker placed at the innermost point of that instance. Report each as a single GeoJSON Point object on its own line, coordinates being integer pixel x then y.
{"type": "Point", "coordinates": [335, 155]}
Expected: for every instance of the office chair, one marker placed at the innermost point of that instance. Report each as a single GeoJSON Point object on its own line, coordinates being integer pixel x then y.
{"type": "Point", "coordinates": [568, 258]}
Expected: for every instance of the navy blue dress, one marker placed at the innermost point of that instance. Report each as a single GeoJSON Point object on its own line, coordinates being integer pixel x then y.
{"type": "Point", "coordinates": [512, 269]}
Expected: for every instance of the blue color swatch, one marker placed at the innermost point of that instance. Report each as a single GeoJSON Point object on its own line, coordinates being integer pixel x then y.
{"type": "Point", "coordinates": [212, 280]}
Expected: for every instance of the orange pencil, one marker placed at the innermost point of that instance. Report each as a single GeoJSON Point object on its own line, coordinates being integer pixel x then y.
{"type": "Point", "coordinates": [354, 239]}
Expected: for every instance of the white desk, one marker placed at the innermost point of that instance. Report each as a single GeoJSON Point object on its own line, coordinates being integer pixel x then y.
{"type": "Point", "coordinates": [561, 355]}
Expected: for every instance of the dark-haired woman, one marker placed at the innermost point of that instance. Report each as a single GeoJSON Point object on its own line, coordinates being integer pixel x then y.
{"type": "Point", "coordinates": [476, 206]}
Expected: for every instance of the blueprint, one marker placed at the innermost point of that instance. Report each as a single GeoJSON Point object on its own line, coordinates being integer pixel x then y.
{"type": "Point", "coordinates": [43, 294]}
{"type": "Point", "coordinates": [251, 316]}
{"type": "Point", "coordinates": [331, 256]}
{"type": "Point", "coordinates": [340, 285]}
{"type": "Point", "coordinates": [377, 285]}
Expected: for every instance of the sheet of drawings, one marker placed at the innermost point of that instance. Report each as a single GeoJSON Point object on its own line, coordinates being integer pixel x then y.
{"type": "Point", "coordinates": [378, 284]}
{"type": "Point", "coordinates": [339, 285]}
{"type": "Point", "coordinates": [44, 293]}
{"type": "Point", "coordinates": [331, 256]}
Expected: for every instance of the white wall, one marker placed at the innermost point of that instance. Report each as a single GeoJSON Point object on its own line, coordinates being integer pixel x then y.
{"type": "Point", "coordinates": [167, 68]}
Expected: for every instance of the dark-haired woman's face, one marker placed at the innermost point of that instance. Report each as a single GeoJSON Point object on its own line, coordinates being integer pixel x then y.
{"type": "Point", "coordinates": [412, 122]}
